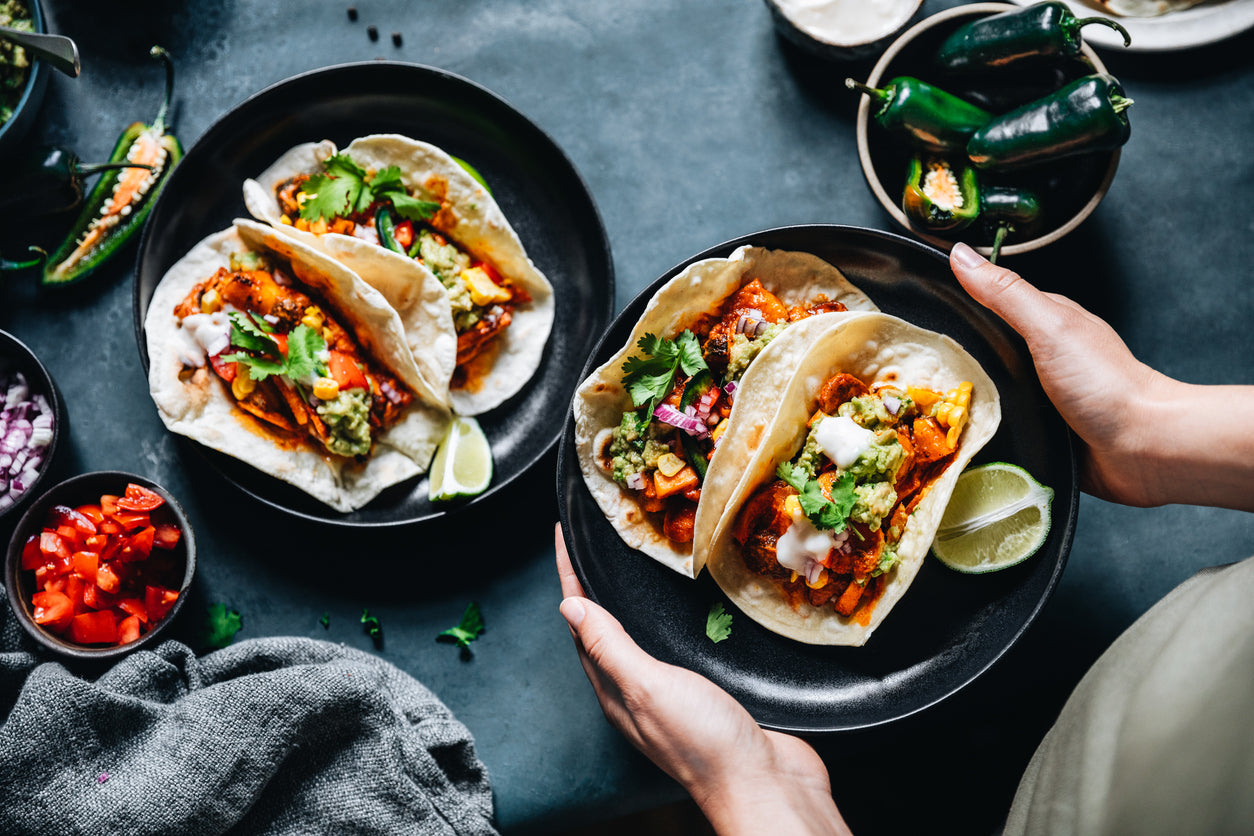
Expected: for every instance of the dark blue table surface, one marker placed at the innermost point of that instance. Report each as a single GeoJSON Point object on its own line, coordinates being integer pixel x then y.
{"type": "Point", "coordinates": [692, 124]}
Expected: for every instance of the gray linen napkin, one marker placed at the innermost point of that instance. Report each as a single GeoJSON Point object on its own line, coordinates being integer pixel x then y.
{"type": "Point", "coordinates": [273, 736]}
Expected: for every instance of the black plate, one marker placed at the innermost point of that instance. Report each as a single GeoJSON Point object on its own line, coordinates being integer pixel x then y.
{"type": "Point", "coordinates": [948, 629]}
{"type": "Point", "coordinates": [536, 185]}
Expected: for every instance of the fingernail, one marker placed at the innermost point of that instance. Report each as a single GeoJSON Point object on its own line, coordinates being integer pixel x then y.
{"type": "Point", "coordinates": [573, 611]}
{"type": "Point", "coordinates": [967, 257]}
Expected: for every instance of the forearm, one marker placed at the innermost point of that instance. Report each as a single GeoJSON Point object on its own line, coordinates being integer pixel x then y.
{"type": "Point", "coordinates": [774, 802]}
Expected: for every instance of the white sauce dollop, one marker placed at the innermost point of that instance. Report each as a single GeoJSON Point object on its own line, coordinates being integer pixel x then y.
{"type": "Point", "coordinates": [847, 21]}
{"type": "Point", "coordinates": [842, 440]}
{"type": "Point", "coordinates": [802, 542]}
{"type": "Point", "coordinates": [204, 335]}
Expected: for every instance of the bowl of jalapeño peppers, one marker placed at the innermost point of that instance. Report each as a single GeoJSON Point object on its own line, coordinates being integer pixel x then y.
{"type": "Point", "coordinates": [992, 124]}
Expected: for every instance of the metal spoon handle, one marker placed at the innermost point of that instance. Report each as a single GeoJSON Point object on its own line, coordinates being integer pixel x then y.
{"type": "Point", "coordinates": [57, 50]}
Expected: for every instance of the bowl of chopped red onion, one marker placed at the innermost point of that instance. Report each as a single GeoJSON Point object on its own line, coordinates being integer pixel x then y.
{"type": "Point", "coordinates": [33, 419]}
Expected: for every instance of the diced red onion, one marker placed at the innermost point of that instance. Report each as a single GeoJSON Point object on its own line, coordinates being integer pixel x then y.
{"type": "Point", "coordinates": [730, 390]}
{"type": "Point", "coordinates": [389, 392]}
{"type": "Point", "coordinates": [280, 278]}
{"type": "Point", "coordinates": [892, 404]}
{"type": "Point", "coordinates": [26, 427]}
{"type": "Point", "coordinates": [688, 423]}
{"type": "Point", "coordinates": [813, 570]}
{"type": "Point", "coordinates": [750, 322]}
{"type": "Point", "coordinates": [635, 481]}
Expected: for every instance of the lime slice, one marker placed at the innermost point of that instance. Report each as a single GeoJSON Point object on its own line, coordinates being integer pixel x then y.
{"type": "Point", "coordinates": [463, 464]}
{"type": "Point", "coordinates": [998, 516]}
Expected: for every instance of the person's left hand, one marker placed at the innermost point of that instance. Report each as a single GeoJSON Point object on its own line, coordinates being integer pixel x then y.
{"type": "Point", "coordinates": [745, 779]}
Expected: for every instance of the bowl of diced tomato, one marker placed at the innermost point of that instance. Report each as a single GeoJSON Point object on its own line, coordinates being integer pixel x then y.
{"type": "Point", "coordinates": [100, 564]}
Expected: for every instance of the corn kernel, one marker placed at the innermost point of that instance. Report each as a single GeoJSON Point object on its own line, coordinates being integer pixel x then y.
{"type": "Point", "coordinates": [483, 291]}
{"type": "Point", "coordinates": [820, 582]}
{"type": "Point", "coordinates": [285, 220]}
{"type": "Point", "coordinates": [318, 227]}
{"type": "Point", "coordinates": [793, 579]}
{"type": "Point", "coordinates": [210, 301]}
{"type": "Point", "coordinates": [668, 464]}
{"type": "Point", "coordinates": [243, 384]}
{"type": "Point", "coordinates": [301, 224]}
{"type": "Point", "coordinates": [792, 506]}
{"type": "Point", "coordinates": [717, 432]}
{"type": "Point", "coordinates": [325, 388]}
{"type": "Point", "coordinates": [923, 398]}
{"type": "Point", "coordinates": [313, 318]}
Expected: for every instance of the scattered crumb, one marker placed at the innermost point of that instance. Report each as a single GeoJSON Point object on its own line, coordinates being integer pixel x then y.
{"type": "Point", "coordinates": [396, 38]}
{"type": "Point", "coordinates": [373, 32]}
{"type": "Point", "coordinates": [352, 13]}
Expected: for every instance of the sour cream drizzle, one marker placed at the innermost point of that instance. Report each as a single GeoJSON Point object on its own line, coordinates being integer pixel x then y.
{"type": "Point", "coordinates": [842, 440]}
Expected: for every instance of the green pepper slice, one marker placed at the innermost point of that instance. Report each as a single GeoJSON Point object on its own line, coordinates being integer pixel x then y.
{"type": "Point", "coordinates": [1021, 36]}
{"type": "Point", "coordinates": [1086, 115]}
{"type": "Point", "coordinates": [384, 227]}
{"type": "Point", "coordinates": [924, 114]}
{"type": "Point", "coordinates": [939, 197]}
{"type": "Point", "coordinates": [121, 199]}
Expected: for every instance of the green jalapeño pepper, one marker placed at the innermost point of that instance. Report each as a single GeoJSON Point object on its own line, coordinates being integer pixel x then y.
{"type": "Point", "coordinates": [384, 227]}
{"type": "Point", "coordinates": [1086, 115]}
{"type": "Point", "coordinates": [121, 200]}
{"type": "Point", "coordinates": [48, 181]}
{"type": "Point", "coordinates": [1043, 30]}
{"type": "Point", "coordinates": [939, 198]}
{"type": "Point", "coordinates": [927, 116]}
{"type": "Point", "coordinates": [1007, 210]}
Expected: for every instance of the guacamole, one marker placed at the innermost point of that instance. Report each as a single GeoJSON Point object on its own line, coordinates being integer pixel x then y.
{"type": "Point", "coordinates": [632, 451]}
{"type": "Point", "coordinates": [14, 61]}
{"type": "Point", "coordinates": [347, 417]}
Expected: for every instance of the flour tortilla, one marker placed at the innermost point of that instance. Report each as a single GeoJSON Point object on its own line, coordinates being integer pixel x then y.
{"type": "Point", "coordinates": [202, 409]}
{"type": "Point", "coordinates": [701, 289]}
{"type": "Point", "coordinates": [874, 347]}
{"type": "Point", "coordinates": [1144, 8]}
{"type": "Point", "coordinates": [471, 217]}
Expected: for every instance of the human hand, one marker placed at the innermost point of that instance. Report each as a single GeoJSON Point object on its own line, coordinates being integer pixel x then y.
{"type": "Point", "coordinates": [745, 779]}
{"type": "Point", "coordinates": [1141, 443]}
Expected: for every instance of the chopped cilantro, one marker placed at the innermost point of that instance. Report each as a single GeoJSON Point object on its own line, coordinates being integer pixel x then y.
{"type": "Point", "coordinates": [649, 379]}
{"type": "Point", "coordinates": [718, 623]}
{"type": "Point", "coordinates": [370, 623]}
{"type": "Point", "coordinates": [221, 625]}
{"type": "Point", "coordinates": [304, 344]}
{"type": "Point", "coordinates": [325, 621]}
{"type": "Point", "coordinates": [346, 189]}
{"type": "Point", "coordinates": [467, 630]}
{"type": "Point", "coordinates": [823, 512]}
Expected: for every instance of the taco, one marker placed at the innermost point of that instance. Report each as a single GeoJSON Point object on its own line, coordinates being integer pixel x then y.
{"type": "Point", "coordinates": [843, 493]}
{"type": "Point", "coordinates": [412, 222]}
{"type": "Point", "coordinates": [270, 352]}
{"type": "Point", "coordinates": [648, 421]}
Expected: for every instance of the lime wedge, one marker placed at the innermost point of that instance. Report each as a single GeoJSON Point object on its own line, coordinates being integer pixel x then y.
{"type": "Point", "coordinates": [998, 516]}
{"type": "Point", "coordinates": [463, 463]}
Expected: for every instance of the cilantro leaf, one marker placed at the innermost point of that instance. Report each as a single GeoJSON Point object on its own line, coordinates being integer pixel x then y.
{"type": "Point", "coordinates": [370, 624]}
{"type": "Point", "coordinates": [467, 630]}
{"type": "Point", "coordinates": [718, 623]}
{"type": "Point", "coordinates": [304, 344]}
{"type": "Point", "coordinates": [340, 191]}
{"type": "Point", "coordinates": [649, 378]}
{"type": "Point", "coordinates": [221, 625]}
{"type": "Point", "coordinates": [259, 368]}
{"type": "Point", "coordinates": [325, 621]}
{"type": "Point", "coordinates": [689, 350]}
{"type": "Point", "coordinates": [823, 512]}
{"type": "Point", "coordinates": [411, 207]}
{"type": "Point", "coordinates": [248, 335]}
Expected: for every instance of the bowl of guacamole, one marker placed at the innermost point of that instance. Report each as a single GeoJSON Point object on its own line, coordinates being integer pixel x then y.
{"type": "Point", "coordinates": [22, 77]}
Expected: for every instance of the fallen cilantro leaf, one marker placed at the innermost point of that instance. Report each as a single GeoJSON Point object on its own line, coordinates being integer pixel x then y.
{"type": "Point", "coordinates": [221, 625]}
{"type": "Point", "coordinates": [718, 623]}
{"type": "Point", "coordinates": [371, 625]}
{"type": "Point", "coordinates": [325, 621]}
{"type": "Point", "coordinates": [467, 630]}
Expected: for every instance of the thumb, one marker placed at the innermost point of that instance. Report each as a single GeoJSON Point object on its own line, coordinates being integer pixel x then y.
{"type": "Point", "coordinates": [604, 641]}
{"type": "Point", "coordinates": [1035, 315]}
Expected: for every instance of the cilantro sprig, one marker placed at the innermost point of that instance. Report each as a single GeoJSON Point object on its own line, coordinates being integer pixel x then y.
{"type": "Point", "coordinates": [220, 626]}
{"type": "Point", "coordinates": [371, 626]}
{"type": "Point", "coordinates": [254, 334]}
{"type": "Point", "coordinates": [345, 188]}
{"type": "Point", "coordinates": [649, 378]}
{"type": "Point", "coordinates": [467, 630]}
{"type": "Point", "coordinates": [823, 512]}
{"type": "Point", "coordinates": [718, 623]}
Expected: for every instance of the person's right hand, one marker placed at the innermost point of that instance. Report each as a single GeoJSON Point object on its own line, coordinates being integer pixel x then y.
{"type": "Point", "coordinates": [1146, 439]}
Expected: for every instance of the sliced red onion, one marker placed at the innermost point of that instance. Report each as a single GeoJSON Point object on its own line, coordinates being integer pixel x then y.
{"type": "Point", "coordinates": [749, 322]}
{"type": "Point", "coordinates": [813, 570]}
{"type": "Point", "coordinates": [892, 404]}
{"type": "Point", "coordinates": [635, 481]}
{"type": "Point", "coordinates": [688, 423]}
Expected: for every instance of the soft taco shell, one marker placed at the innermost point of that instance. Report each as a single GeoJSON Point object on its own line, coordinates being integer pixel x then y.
{"type": "Point", "coordinates": [470, 216]}
{"type": "Point", "coordinates": [874, 347]}
{"type": "Point", "coordinates": [201, 408]}
{"type": "Point", "coordinates": [700, 289]}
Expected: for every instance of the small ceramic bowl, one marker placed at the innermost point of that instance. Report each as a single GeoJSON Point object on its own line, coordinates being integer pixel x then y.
{"type": "Point", "coordinates": [821, 32]}
{"type": "Point", "coordinates": [1069, 189]}
{"type": "Point", "coordinates": [85, 489]}
{"type": "Point", "coordinates": [15, 356]}
{"type": "Point", "coordinates": [15, 129]}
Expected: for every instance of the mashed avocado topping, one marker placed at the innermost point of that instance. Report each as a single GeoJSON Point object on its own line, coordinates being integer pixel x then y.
{"type": "Point", "coordinates": [14, 60]}
{"type": "Point", "coordinates": [447, 262]}
{"type": "Point", "coordinates": [347, 417]}
{"type": "Point", "coordinates": [743, 350]}
{"type": "Point", "coordinates": [872, 502]}
{"type": "Point", "coordinates": [870, 411]}
{"type": "Point", "coordinates": [879, 462]}
{"type": "Point", "coordinates": [631, 451]}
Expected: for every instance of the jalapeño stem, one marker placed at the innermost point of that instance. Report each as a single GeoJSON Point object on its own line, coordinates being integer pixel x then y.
{"type": "Point", "coordinates": [158, 124]}
{"type": "Point", "coordinates": [1119, 103]}
{"type": "Point", "coordinates": [1002, 231]}
{"type": "Point", "coordinates": [877, 94]}
{"type": "Point", "coordinates": [1080, 23]}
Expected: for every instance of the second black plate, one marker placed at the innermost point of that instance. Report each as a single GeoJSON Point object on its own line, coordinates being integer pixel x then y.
{"type": "Point", "coordinates": [534, 182]}
{"type": "Point", "coordinates": [949, 628]}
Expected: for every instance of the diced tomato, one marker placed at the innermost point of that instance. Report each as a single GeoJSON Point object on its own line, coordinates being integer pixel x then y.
{"type": "Point", "coordinates": [111, 526]}
{"type": "Point", "coordinates": [109, 505]}
{"type": "Point", "coordinates": [73, 518]}
{"type": "Point", "coordinates": [345, 371]}
{"type": "Point", "coordinates": [281, 341]}
{"type": "Point", "coordinates": [225, 369]}
{"type": "Point", "coordinates": [159, 600]}
{"type": "Point", "coordinates": [51, 544]}
{"type": "Point", "coordinates": [403, 234]}
{"type": "Point", "coordinates": [141, 541]}
{"type": "Point", "coordinates": [167, 536]}
{"type": "Point", "coordinates": [130, 520]}
{"type": "Point", "coordinates": [135, 607]}
{"type": "Point", "coordinates": [96, 542]}
{"type": "Point", "coordinates": [32, 555]}
{"type": "Point", "coordinates": [107, 579]}
{"type": "Point", "coordinates": [99, 627]}
{"type": "Point", "coordinates": [85, 565]}
{"type": "Point", "coordinates": [128, 630]}
{"type": "Point", "coordinates": [97, 598]}
{"type": "Point", "coordinates": [139, 498]}
{"type": "Point", "coordinates": [92, 512]}
{"type": "Point", "coordinates": [53, 609]}
{"type": "Point", "coordinates": [55, 584]}
{"type": "Point", "coordinates": [74, 589]}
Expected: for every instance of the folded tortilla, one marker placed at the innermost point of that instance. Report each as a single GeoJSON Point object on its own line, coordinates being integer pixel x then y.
{"type": "Point", "coordinates": [699, 290]}
{"type": "Point", "coordinates": [874, 347]}
{"type": "Point", "coordinates": [471, 217]}
{"type": "Point", "coordinates": [194, 402]}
